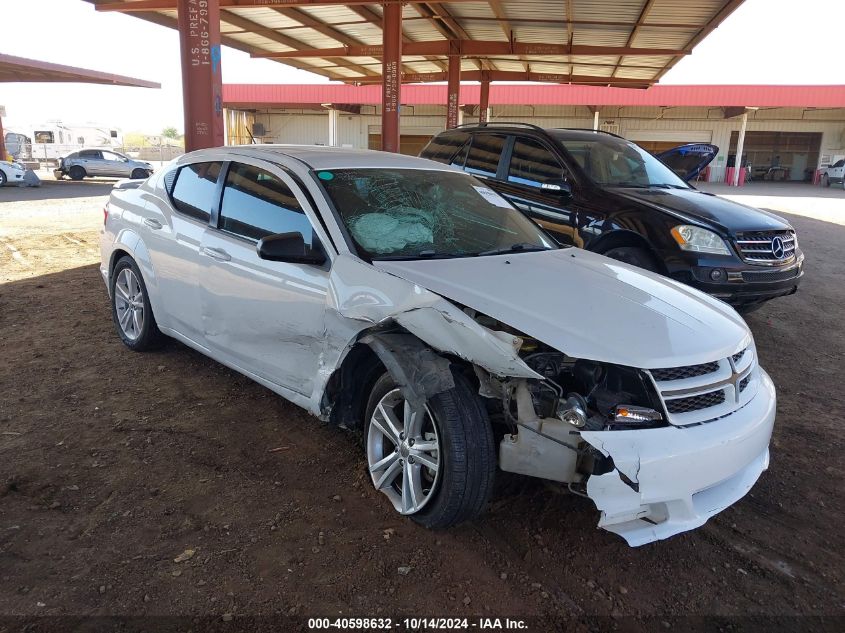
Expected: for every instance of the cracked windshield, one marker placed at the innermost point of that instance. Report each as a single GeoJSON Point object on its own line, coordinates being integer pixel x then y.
{"type": "Point", "coordinates": [418, 214]}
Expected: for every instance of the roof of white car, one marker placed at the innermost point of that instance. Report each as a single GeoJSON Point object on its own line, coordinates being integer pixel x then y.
{"type": "Point", "coordinates": [319, 157]}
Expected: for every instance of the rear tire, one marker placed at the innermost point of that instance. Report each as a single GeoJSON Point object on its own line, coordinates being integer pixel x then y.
{"type": "Point", "coordinates": [77, 173]}
{"type": "Point", "coordinates": [455, 421]}
{"type": "Point", "coordinates": [826, 180]}
{"type": "Point", "coordinates": [633, 255]}
{"type": "Point", "coordinates": [130, 307]}
{"type": "Point", "coordinates": [2, 178]}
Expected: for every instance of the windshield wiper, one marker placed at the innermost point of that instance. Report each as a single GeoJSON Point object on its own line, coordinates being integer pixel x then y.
{"type": "Point", "coordinates": [520, 247]}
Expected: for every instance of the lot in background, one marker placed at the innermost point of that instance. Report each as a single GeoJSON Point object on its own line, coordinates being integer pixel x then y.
{"type": "Point", "coordinates": [113, 463]}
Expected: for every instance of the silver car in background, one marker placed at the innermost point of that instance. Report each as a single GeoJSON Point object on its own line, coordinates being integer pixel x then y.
{"type": "Point", "coordinates": [101, 162]}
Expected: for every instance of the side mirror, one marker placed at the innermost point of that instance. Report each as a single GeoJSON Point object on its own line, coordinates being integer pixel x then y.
{"type": "Point", "coordinates": [291, 248]}
{"type": "Point", "coordinates": [562, 188]}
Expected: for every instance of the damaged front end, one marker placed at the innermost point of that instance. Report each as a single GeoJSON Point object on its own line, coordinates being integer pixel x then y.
{"type": "Point", "coordinates": [658, 451]}
{"type": "Point", "coordinates": [610, 433]}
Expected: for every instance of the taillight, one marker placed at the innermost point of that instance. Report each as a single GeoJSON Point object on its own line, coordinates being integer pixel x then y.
{"type": "Point", "coordinates": [105, 214]}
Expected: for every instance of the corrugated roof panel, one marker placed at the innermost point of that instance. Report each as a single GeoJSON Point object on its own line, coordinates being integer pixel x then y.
{"type": "Point", "coordinates": [593, 71]}
{"type": "Point", "coordinates": [635, 73]}
{"type": "Point", "coordinates": [684, 12]}
{"type": "Point", "coordinates": [485, 31]}
{"type": "Point", "coordinates": [469, 9]}
{"type": "Point", "coordinates": [258, 41]}
{"type": "Point", "coordinates": [366, 33]}
{"type": "Point", "coordinates": [312, 38]}
{"type": "Point", "coordinates": [660, 38]}
{"type": "Point", "coordinates": [616, 11]}
{"type": "Point", "coordinates": [600, 35]}
{"type": "Point", "coordinates": [332, 14]}
{"type": "Point", "coordinates": [264, 17]}
{"type": "Point", "coordinates": [545, 34]}
{"type": "Point", "coordinates": [421, 31]}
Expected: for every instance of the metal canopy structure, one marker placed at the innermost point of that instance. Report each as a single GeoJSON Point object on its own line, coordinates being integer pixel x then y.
{"type": "Point", "coordinates": [19, 69]}
{"type": "Point", "coordinates": [14, 69]}
{"type": "Point", "coordinates": [619, 43]}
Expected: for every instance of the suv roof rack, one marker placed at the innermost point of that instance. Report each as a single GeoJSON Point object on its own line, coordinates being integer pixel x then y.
{"type": "Point", "coordinates": [588, 129]}
{"type": "Point", "coordinates": [500, 124]}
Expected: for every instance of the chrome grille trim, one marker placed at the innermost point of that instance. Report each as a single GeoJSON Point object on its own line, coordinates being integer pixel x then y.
{"type": "Point", "coordinates": [699, 398]}
{"type": "Point", "coordinates": [756, 247]}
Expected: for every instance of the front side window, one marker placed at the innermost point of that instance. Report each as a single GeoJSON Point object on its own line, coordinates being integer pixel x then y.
{"type": "Point", "coordinates": [533, 165]}
{"type": "Point", "coordinates": [614, 162]}
{"type": "Point", "coordinates": [420, 213]}
{"type": "Point", "coordinates": [257, 204]}
{"type": "Point", "coordinates": [484, 154]}
{"type": "Point", "coordinates": [195, 188]}
{"type": "Point", "coordinates": [444, 147]}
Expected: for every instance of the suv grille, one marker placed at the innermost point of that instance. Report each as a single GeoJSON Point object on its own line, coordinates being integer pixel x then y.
{"type": "Point", "coordinates": [767, 247]}
{"type": "Point", "coordinates": [679, 373]}
{"type": "Point", "coordinates": [770, 275]}
{"type": "Point", "coordinates": [696, 403]}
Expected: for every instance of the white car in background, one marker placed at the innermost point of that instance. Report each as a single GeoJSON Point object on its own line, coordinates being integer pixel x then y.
{"type": "Point", "coordinates": [835, 174]}
{"type": "Point", "coordinates": [408, 300]}
{"type": "Point", "coordinates": [11, 173]}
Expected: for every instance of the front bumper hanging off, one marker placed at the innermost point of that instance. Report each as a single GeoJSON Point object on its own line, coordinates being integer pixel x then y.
{"type": "Point", "coordinates": [677, 478]}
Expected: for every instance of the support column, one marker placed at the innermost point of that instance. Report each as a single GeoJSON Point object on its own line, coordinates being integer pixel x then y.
{"type": "Point", "coordinates": [391, 77]}
{"type": "Point", "coordinates": [484, 101]}
{"type": "Point", "coordinates": [202, 84]}
{"type": "Point", "coordinates": [2, 141]}
{"type": "Point", "coordinates": [454, 91]}
{"type": "Point", "coordinates": [596, 119]}
{"type": "Point", "coordinates": [334, 119]}
{"type": "Point", "coordinates": [740, 146]}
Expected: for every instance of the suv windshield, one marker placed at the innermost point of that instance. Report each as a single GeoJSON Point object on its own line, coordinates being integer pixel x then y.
{"type": "Point", "coordinates": [418, 214]}
{"type": "Point", "coordinates": [615, 162]}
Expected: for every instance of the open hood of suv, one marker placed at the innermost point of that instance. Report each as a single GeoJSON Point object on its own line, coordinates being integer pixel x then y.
{"type": "Point", "coordinates": [587, 306]}
{"type": "Point", "coordinates": [689, 160]}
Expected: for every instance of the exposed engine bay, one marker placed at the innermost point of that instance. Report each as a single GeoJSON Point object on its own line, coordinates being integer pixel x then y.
{"type": "Point", "coordinates": [542, 420]}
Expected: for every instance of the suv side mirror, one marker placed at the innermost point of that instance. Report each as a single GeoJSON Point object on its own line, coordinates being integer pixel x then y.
{"type": "Point", "coordinates": [291, 248]}
{"type": "Point", "coordinates": [562, 188]}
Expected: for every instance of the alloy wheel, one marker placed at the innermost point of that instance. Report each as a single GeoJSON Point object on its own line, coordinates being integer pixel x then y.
{"type": "Point", "coordinates": [129, 303]}
{"type": "Point", "coordinates": [403, 452]}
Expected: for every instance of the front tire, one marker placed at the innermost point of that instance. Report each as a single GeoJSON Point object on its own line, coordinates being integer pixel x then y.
{"type": "Point", "coordinates": [77, 173]}
{"type": "Point", "coordinates": [437, 464]}
{"type": "Point", "coordinates": [130, 307]}
{"type": "Point", "coordinates": [633, 255]}
{"type": "Point", "coordinates": [2, 178]}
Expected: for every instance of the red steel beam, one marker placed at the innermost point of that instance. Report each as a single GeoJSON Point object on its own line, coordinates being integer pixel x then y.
{"type": "Point", "coordinates": [509, 75]}
{"type": "Point", "coordinates": [454, 92]}
{"type": "Point", "coordinates": [475, 48]}
{"type": "Point", "coordinates": [484, 99]}
{"type": "Point", "coordinates": [164, 5]}
{"type": "Point", "coordinates": [391, 79]}
{"type": "Point", "coordinates": [202, 84]}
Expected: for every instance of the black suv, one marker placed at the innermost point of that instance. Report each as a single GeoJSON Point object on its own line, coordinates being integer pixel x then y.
{"type": "Point", "coordinates": [603, 193]}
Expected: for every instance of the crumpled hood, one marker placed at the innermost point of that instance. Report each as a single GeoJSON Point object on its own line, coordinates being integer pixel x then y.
{"type": "Point", "coordinates": [587, 306]}
{"type": "Point", "coordinates": [725, 214]}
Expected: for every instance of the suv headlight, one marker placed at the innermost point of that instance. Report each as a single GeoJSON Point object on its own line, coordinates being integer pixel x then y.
{"type": "Point", "coordinates": [694, 238]}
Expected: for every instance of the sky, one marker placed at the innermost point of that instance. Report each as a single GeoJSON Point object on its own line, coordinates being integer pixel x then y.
{"type": "Point", "coordinates": [762, 42]}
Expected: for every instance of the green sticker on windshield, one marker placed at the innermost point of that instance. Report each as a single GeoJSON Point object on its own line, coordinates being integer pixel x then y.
{"type": "Point", "coordinates": [325, 175]}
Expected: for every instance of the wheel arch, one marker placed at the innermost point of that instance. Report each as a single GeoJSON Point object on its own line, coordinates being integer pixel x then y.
{"type": "Point", "coordinates": [623, 237]}
{"type": "Point", "coordinates": [129, 244]}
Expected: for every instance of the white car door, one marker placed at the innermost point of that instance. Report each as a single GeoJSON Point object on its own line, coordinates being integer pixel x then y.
{"type": "Point", "coordinates": [266, 317]}
{"type": "Point", "coordinates": [175, 229]}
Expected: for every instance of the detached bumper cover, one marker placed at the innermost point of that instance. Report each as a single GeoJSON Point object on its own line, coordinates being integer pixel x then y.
{"type": "Point", "coordinates": [680, 477]}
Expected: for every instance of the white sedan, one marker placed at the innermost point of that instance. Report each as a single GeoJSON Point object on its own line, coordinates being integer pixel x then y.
{"type": "Point", "coordinates": [11, 173]}
{"type": "Point", "coordinates": [408, 300]}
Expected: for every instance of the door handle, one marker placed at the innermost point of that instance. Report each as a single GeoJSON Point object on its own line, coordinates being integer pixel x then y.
{"type": "Point", "coordinates": [216, 253]}
{"type": "Point", "coordinates": [153, 224]}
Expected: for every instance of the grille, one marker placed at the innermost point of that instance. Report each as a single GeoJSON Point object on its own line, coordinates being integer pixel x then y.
{"type": "Point", "coordinates": [770, 275]}
{"type": "Point", "coordinates": [744, 383]}
{"type": "Point", "coordinates": [695, 403]}
{"type": "Point", "coordinates": [756, 246]}
{"type": "Point", "coordinates": [679, 373]}
{"type": "Point", "coordinates": [738, 356]}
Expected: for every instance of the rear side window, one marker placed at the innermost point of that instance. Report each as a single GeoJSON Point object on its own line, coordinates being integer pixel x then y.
{"type": "Point", "coordinates": [533, 165]}
{"type": "Point", "coordinates": [484, 154]}
{"type": "Point", "coordinates": [257, 204]}
{"type": "Point", "coordinates": [444, 147]}
{"type": "Point", "coordinates": [194, 191]}
{"type": "Point", "coordinates": [91, 154]}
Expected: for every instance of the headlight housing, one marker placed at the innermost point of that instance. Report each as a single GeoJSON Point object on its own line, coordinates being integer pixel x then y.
{"type": "Point", "coordinates": [699, 240]}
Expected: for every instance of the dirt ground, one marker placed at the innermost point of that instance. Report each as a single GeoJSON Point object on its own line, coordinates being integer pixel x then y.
{"type": "Point", "coordinates": [113, 463]}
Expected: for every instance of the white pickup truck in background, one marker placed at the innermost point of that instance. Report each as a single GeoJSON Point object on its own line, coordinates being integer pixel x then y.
{"type": "Point", "coordinates": [834, 174]}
